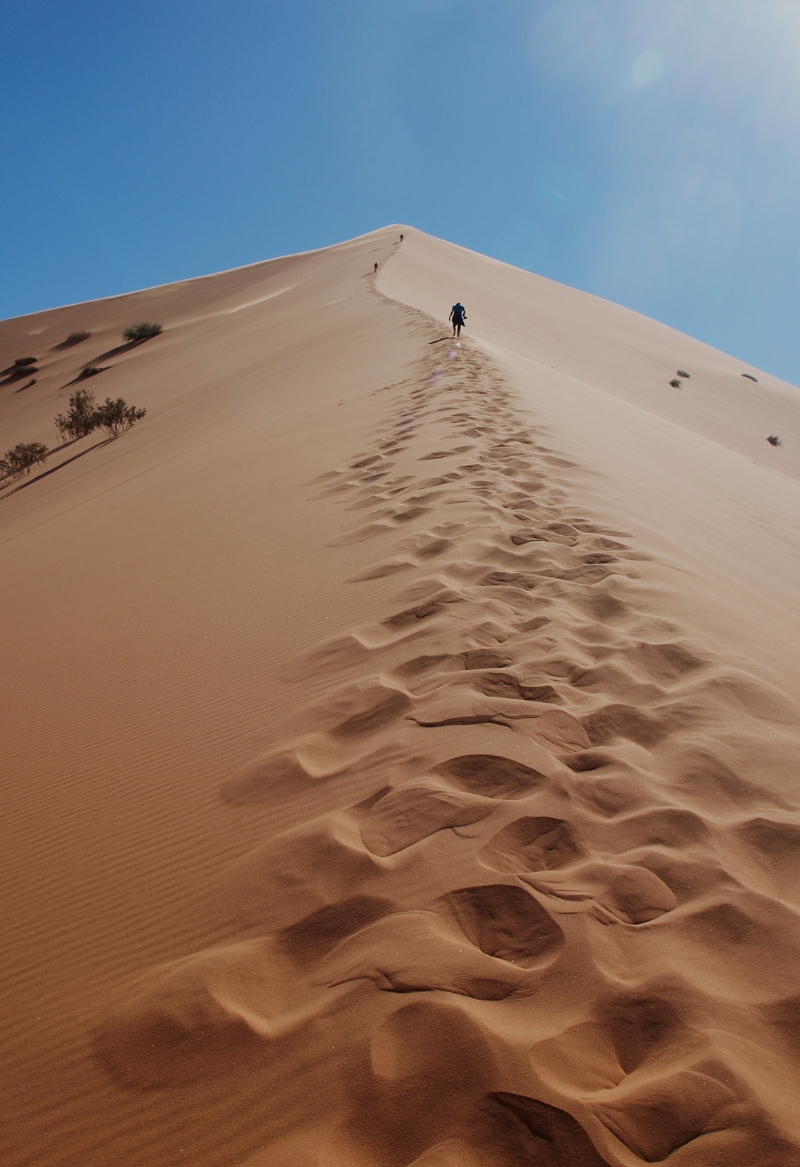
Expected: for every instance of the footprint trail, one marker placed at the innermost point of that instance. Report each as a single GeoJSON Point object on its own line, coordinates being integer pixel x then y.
{"type": "Point", "coordinates": [553, 916]}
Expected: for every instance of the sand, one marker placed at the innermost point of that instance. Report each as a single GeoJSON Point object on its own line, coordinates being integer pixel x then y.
{"type": "Point", "coordinates": [400, 736]}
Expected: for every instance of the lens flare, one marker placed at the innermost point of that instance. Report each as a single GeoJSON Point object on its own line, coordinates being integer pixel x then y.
{"type": "Point", "coordinates": [648, 68]}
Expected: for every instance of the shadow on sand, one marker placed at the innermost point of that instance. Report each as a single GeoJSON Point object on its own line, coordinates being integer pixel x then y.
{"type": "Point", "coordinates": [7, 493]}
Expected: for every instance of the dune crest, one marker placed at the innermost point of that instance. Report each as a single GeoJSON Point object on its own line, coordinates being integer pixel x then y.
{"type": "Point", "coordinates": [499, 869]}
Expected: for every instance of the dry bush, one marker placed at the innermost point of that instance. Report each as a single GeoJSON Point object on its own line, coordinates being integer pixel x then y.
{"type": "Point", "coordinates": [22, 458]}
{"type": "Point", "coordinates": [115, 417]}
{"type": "Point", "coordinates": [141, 331]}
{"type": "Point", "coordinates": [81, 417]}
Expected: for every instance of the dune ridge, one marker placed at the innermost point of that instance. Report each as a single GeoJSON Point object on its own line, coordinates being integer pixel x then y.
{"type": "Point", "coordinates": [514, 881]}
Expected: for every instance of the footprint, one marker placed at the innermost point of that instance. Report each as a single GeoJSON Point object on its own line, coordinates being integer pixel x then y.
{"type": "Point", "coordinates": [199, 1019]}
{"type": "Point", "coordinates": [415, 812]}
{"type": "Point", "coordinates": [296, 873]}
{"type": "Point", "coordinates": [614, 893]}
{"type": "Point", "coordinates": [511, 1130]}
{"type": "Point", "coordinates": [419, 951]}
{"type": "Point", "coordinates": [430, 1066]}
{"type": "Point", "coordinates": [491, 775]}
{"type": "Point", "coordinates": [704, 779]}
{"type": "Point", "coordinates": [663, 662]}
{"type": "Point", "coordinates": [311, 938]}
{"type": "Point", "coordinates": [381, 570]}
{"type": "Point", "coordinates": [409, 616]}
{"type": "Point", "coordinates": [373, 709]}
{"type": "Point", "coordinates": [777, 846]}
{"type": "Point", "coordinates": [627, 1032]}
{"type": "Point", "coordinates": [277, 775]}
{"type": "Point", "coordinates": [508, 686]}
{"type": "Point", "coordinates": [745, 951]}
{"type": "Point", "coordinates": [484, 658]}
{"type": "Point", "coordinates": [581, 1060]}
{"type": "Point", "coordinates": [625, 721]}
{"type": "Point", "coordinates": [667, 827]}
{"type": "Point", "coordinates": [661, 1117]}
{"type": "Point", "coordinates": [505, 922]}
{"type": "Point", "coordinates": [531, 844]}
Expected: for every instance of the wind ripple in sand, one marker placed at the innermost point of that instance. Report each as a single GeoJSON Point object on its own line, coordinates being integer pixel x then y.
{"type": "Point", "coordinates": [560, 924]}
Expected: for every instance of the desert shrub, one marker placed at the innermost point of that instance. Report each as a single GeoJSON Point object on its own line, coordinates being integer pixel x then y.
{"type": "Point", "coordinates": [115, 417]}
{"type": "Point", "coordinates": [750, 377]}
{"type": "Point", "coordinates": [89, 371]}
{"type": "Point", "coordinates": [683, 373]}
{"type": "Point", "coordinates": [77, 337]}
{"type": "Point", "coordinates": [21, 460]}
{"type": "Point", "coordinates": [675, 383]}
{"type": "Point", "coordinates": [22, 367]}
{"type": "Point", "coordinates": [141, 331]}
{"type": "Point", "coordinates": [81, 417]}
{"type": "Point", "coordinates": [774, 440]}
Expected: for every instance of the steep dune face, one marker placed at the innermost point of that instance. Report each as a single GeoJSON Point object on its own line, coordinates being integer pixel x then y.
{"type": "Point", "coordinates": [392, 775]}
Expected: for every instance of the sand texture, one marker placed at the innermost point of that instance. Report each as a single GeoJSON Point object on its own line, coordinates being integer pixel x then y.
{"type": "Point", "coordinates": [400, 738]}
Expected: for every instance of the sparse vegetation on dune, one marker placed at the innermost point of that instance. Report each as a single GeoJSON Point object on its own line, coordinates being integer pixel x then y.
{"type": "Point", "coordinates": [141, 331]}
{"type": "Point", "coordinates": [76, 337]}
{"type": "Point", "coordinates": [80, 418]}
{"type": "Point", "coordinates": [115, 417]}
{"type": "Point", "coordinates": [22, 367]}
{"type": "Point", "coordinates": [20, 460]}
{"type": "Point", "coordinates": [85, 415]}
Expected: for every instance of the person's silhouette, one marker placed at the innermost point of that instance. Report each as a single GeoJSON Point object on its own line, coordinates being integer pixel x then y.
{"type": "Point", "coordinates": [458, 315]}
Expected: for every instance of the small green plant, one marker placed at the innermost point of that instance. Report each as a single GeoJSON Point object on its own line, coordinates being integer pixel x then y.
{"type": "Point", "coordinates": [81, 417]}
{"type": "Point", "coordinates": [22, 459]}
{"type": "Point", "coordinates": [683, 373]}
{"type": "Point", "coordinates": [89, 371]}
{"type": "Point", "coordinates": [24, 362]}
{"type": "Point", "coordinates": [675, 383]}
{"type": "Point", "coordinates": [115, 417]}
{"type": "Point", "coordinates": [77, 337]}
{"type": "Point", "coordinates": [141, 331]}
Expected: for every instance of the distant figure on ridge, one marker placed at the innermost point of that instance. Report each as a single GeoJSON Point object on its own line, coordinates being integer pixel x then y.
{"type": "Point", "coordinates": [458, 315]}
{"type": "Point", "coordinates": [401, 238]}
{"type": "Point", "coordinates": [375, 267]}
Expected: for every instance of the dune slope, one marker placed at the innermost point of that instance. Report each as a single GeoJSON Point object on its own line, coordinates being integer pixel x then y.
{"type": "Point", "coordinates": [400, 735]}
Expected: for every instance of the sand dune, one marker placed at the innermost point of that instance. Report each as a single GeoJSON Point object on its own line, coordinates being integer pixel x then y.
{"type": "Point", "coordinates": [400, 735]}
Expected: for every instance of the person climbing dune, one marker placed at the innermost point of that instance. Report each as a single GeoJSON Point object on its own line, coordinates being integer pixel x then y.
{"type": "Point", "coordinates": [458, 315]}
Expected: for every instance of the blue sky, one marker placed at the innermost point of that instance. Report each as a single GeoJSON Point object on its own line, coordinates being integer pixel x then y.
{"type": "Point", "coordinates": [643, 151]}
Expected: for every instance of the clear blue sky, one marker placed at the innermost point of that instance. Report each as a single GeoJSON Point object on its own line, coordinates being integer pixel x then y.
{"type": "Point", "coordinates": [645, 151]}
